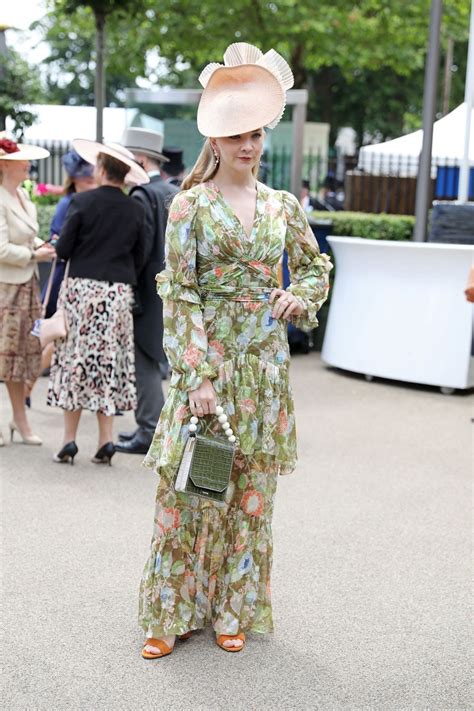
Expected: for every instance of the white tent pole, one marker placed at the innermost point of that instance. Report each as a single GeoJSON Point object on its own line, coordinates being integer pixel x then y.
{"type": "Point", "coordinates": [469, 100]}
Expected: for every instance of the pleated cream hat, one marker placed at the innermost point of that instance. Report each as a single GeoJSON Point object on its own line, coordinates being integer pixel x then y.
{"type": "Point", "coordinates": [247, 92]}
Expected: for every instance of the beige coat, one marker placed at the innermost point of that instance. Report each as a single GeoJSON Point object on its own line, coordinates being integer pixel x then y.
{"type": "Point", "coordinates": [18, 236]}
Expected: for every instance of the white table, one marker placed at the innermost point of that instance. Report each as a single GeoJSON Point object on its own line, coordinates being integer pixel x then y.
{"type": "Point", "coordinates": [398, 311]}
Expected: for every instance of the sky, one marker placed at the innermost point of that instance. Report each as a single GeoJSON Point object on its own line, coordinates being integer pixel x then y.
{"type": "Point", "coordinates": [21, 14]}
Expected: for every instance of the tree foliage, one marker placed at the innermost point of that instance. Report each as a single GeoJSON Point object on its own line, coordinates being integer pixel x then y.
{"type": "Point", "coordinates": [19, 86]}
{"type": "Point", "coordinates": [380, 102]}
{"type": "Point", "coordinates": [71, 65]}
{"type": "Point", "coordinates": [363, 62]}
{"type": "Point", "coordinates": [369, 34]}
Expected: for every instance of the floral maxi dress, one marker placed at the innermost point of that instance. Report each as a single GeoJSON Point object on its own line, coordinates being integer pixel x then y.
{"type": "Point", "coordinates": [211, 562]}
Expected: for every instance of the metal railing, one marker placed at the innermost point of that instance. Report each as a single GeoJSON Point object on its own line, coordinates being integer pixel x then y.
{"type": "Point", "coordinates": [372, 183]}
{"type": "Point", "coordinates": [50, 170]}
{"type": "Point", "coordinates": [387, 183]}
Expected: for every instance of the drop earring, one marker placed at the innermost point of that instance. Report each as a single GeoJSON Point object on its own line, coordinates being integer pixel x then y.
{"type": "Point", "coordinates": [216, 156]}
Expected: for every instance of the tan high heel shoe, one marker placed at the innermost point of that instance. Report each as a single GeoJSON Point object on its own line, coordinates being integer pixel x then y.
{"type": "Point", "coordinates": [26, 439]}
{"type": "Point", "coordinates": [2, 441]}
{"type": "Point", "coordinates": [225, 637]}
{"type": "Point", "coordinates": [165, 650]}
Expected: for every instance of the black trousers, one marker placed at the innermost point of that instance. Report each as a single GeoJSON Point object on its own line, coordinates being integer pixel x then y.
{"type": "Point", "coordinates": [149, 391]}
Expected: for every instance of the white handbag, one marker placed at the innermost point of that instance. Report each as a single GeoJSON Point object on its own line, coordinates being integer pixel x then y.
{"type": "Point", "coordinates": [56, 326]}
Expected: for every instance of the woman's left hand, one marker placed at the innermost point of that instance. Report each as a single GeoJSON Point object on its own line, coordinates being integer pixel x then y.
{"type": "Point", "coordinates": [286, 305]}
{"type": "Point", "coordinates": [45, 253]}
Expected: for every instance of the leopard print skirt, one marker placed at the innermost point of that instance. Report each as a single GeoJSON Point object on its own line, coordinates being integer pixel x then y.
{"type": "Point", "coordinates": [94, 366]}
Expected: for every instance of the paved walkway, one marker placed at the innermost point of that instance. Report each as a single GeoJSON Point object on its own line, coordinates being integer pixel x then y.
{"type": "Point", "coordinates": [371, 577]}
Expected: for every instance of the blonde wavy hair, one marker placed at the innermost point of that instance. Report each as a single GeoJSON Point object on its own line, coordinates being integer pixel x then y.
{"type": "Point", "coordinates": [205, 168]}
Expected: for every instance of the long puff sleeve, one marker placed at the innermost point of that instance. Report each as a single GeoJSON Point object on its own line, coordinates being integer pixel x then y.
{"type": "Point", "coordinates": [184, 337]}
{"type": "Point", "coordinates": [309, 269]}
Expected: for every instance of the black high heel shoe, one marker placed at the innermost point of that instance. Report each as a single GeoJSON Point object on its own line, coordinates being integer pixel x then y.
{"type": "Point", "coordinates": [105, 454]}
{"type": "Point", "coordinates": [67, 454]}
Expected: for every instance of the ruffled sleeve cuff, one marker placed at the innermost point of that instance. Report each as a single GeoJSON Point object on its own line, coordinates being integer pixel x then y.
{"type": "Point", "coordinates": [309, 269]}
{"type": "Point", "coordinates": [311, 287]}
{"type": "Point", "coordinates": [172, 286]}
{"type": "Point", "coordinates": [193, 379]}
{"type": "Point", "coordinates": [308, 319]}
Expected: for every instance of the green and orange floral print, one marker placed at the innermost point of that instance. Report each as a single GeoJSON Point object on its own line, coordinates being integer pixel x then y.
{"type": "Point", "coordinates": [211, 562]}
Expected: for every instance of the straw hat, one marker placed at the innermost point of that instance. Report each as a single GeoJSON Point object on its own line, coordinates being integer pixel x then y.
{"type": "Point", "coordinates": [10, 150]}
{"type": "Point", "coordinates": [245, 93]}
{"type": "Point", "coordinates": [140, 140]}
{"type": "Point", "coordinates": [89, 150]}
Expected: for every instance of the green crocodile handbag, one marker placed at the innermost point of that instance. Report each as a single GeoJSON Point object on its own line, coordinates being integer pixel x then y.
{"type": "Point", "coordinates": [207, 462]}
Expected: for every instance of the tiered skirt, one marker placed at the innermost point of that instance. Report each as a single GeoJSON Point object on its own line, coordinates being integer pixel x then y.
{"type": "Point", "coordinates": [210, 563]}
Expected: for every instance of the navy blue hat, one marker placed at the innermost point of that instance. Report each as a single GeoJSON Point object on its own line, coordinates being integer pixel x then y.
{"type": "Point", "coordinates": [77, 167]}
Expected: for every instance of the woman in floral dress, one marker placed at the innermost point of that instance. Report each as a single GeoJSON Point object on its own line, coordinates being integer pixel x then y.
{"type": "Point", "coordinates": [225, 337]}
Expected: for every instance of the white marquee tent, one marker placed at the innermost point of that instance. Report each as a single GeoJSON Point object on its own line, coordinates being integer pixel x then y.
{"type": "Point", "coordinates": [63, 123]}
{"type": "Point", "coordinates": [402, 154]}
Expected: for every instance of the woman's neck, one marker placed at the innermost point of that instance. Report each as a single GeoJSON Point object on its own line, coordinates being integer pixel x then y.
{"type": "Point", "coordinates": [11, 185]}
{"type": "Point", "coordinates": [226, 178]}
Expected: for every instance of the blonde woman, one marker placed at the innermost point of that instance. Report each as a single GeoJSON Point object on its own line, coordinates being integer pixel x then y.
{"type": "Point", "coordinates": [225, 337]}
{"type": "Point", "coordinates": [20, 304]}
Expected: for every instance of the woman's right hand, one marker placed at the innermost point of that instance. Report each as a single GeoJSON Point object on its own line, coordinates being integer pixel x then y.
{"type": "Point", "coordinates": [203, 400]}
{"type": "Point", "coordinates": [45, 253]}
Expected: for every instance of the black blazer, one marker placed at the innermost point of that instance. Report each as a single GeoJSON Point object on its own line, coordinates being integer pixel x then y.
{"type": "Point", "coordinates": [105, 235]}
{"type": "Point", "coordinates": [156, 198]}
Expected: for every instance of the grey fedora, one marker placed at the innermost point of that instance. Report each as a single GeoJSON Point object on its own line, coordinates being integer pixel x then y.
{"type": "Point", "coordinates": [140, 140]}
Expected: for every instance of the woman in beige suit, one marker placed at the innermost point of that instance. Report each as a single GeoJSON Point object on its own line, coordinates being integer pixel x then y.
{"type": "Point", "coordinates": [20, 305]}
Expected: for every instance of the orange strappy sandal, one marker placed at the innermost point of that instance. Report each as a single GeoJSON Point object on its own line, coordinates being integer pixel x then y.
{"type": "Point", "coordinates": [225, 637]}
{"type": "Point", "coordinates": [162, 646]}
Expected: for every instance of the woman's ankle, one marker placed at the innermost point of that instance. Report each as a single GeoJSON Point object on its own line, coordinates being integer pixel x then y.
{"type": "Point", "coordinates": [21, 421]}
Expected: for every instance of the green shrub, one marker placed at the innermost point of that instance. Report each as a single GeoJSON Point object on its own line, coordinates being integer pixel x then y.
{"type": "Point", "coordinates": [45, 215]}
{"type": "Point", "coordinates": [368, 226]}
{"type": "Point", "coordinates": [47, 199]}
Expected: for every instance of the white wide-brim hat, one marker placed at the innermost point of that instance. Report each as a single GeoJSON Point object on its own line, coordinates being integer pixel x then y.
{"type": "Point", "coordinates": [247, 92]}
{"type": "Point", "coordinates": [25, 152]}
{"type": "Point", "coordinates": [89, 150]}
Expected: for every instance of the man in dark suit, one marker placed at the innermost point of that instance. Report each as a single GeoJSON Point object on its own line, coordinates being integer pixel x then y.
{"type": "Point", "coordinates": [173, 171]}
{"type": "Point", "coordinates": [148, 311]}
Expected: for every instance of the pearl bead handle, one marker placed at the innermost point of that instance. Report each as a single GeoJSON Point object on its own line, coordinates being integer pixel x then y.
{"type": "Point", "coordinates": [223, 420]}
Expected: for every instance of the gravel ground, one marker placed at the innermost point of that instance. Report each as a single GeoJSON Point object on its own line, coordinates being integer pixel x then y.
{"type": "Point", "coordinates": [371, 582]}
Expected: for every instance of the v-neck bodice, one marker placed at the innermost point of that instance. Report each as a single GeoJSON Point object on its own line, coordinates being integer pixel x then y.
{"type": "Point", "coordinates": [227, 258]}
{"type": "Point", "coordinates": [232, 212]}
